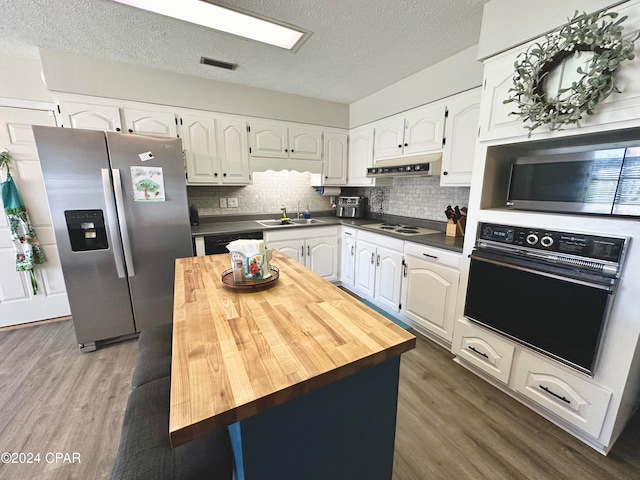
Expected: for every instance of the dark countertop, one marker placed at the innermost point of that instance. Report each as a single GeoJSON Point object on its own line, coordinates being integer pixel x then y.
{"type": "Point", "coordinates": [224, 225]}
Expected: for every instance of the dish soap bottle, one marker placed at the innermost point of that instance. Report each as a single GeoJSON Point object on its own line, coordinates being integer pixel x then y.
{"type": "Point", "coordinates": [307, 213]}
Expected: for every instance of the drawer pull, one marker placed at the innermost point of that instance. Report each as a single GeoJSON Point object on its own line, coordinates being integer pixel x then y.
{"type": "Point", "coordinates": [559, 397]}
{"type": "Point", "coordinates": [430, 256]}
{"type": "Point", "coordinates": [474, 350]}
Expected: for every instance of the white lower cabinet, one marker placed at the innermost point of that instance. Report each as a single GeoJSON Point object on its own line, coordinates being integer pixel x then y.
{"type": "Point", "coordinates": [348, 257]}
{"type": "Point", "coordinates": [569, 396]}
{"type": "Point", "coordinates": [490, 353]}
{"type": "Point", "coordinates": [314, 247]}
{"type": "Point", "coordinates": [378, 269]}
{"type": "Point", "coordinates": [430, 288]}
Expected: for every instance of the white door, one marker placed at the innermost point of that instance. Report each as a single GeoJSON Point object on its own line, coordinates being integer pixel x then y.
{"type": "Point", "coordinates": [234, 151]}
{"type": "Point", "coordinates": [360, 155]}
{"type": "Point", "coordinates": [305, 144]}
{"type": "Point", "coordinates": [90, 117]}
{"type": "Point", "coordinates": [335, 158]}
{"type": "Point", "coordinates": [18, 304]}
{"type": "Point", "coordinates": [388, 277]}
{"type": "Point", "coordinates": [292, 248]}
{"type": "Point", "coordinates": [200, 149]}
{"type": "Point", "coordinates": [348, 258]}
{"type": "Point", "coordinates": [144, 122]}
{"type": "Point", "coordinates": [389, 138]}
{"type": "Point", "coordinates": [424, 129]}
{"type": "Point", "coordinates": [429, 298]}
{"type": "Point", "coordinates": [461, 132]}
{"type": "Point", "coordinates": [269, 140]}
{"type": "Point", "coordinates": [364, 278]}
{"type": "Point", "coordinates": [322, 257]}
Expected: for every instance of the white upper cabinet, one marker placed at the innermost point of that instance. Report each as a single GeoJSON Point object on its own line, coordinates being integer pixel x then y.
{"type": "Point", "coordinates": [335, 158]}
{"type": "Point", "coordinates": [269, 140]}
{"type": "Point", "coordinates": [274, 140]}
{"type": "Point", "coordinates": [389, 138]}
{"type": "Point", "coordinates": [215, 149]}
{"type": "Point", "coordinates": [305, 143]}
{"type": "Point", "coordinates": [461, 134]}
{"type": "Point", "coordinates": [149, 122]}
{"type": "Point", "coordinates": [234, 151]}
{"type": "Point", "coordinates": [360, 156]}
{"type": "Point", "coordinates": [418, 131]}
{"type": "Point", "coordinates": [90, 117]}
{"type": "Point", "coordinates": [497, 123]}
{"type": "Point", "coordinates": [200, 149]}
{"type": "Point", "coordinates": [424, 129]}
{"type": "Point", "coordinates": [496, 120]}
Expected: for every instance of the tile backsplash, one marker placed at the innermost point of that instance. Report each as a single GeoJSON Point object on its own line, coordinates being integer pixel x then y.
{"type": "Point", "coordinates": [268, 191]}
{"type": "Point", "coordinates": [418, 197]}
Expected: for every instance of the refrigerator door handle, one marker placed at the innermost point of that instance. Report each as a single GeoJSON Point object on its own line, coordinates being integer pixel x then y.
{"type": "Point", "coordinates": [111, 220]}
{"type": "Point", "coordinates": [124, 232]}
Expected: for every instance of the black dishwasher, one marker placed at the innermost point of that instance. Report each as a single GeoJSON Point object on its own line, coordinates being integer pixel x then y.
{"type": "Point", "coordinates": [214, 244]}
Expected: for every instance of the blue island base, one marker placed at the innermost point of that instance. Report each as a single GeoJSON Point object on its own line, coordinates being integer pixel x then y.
{"type": "Point", "coordinates": [343, 431]}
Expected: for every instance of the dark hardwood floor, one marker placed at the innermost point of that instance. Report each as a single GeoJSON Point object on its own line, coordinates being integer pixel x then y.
{"type": "Point", "coordinates": [451, 424]}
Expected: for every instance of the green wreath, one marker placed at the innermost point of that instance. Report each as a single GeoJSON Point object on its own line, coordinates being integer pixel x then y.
{"type": "Point", "coordinates": [583, 33]}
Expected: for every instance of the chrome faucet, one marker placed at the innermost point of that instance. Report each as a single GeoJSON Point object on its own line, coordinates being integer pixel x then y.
{"type": "Point", "coordinates": [298, 208]}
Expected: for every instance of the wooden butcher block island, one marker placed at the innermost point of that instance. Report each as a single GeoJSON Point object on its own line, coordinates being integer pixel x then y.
{"type": "Point", "coordinates": [304, 376]}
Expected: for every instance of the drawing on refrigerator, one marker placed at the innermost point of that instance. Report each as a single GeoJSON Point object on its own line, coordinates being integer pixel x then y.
{"type": "Point", "coordinates": [121, 218]}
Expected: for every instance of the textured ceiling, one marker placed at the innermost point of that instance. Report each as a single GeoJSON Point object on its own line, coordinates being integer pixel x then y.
{"type": "Point", "coordinates": [357, 47]}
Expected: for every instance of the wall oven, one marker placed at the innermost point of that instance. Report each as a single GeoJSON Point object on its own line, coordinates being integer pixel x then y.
{"type": "Point", "coordinates": [548, 290]}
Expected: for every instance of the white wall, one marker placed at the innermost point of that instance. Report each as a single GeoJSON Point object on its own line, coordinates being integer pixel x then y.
{"type": "Point", "coordinates": [507, 23]}
{"type": "Point", "coordinates": [457, 73]}
{"type": "Point", "coordinates": [21, 80]}
{"type": "Point", "coordinates": [88, 76]}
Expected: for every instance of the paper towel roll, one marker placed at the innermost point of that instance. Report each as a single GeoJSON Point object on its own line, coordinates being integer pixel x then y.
{"type": "Point", "coordinates": [329, 191]}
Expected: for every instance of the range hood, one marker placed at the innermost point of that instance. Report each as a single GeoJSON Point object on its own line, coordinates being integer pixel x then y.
{"type": "Point", "coordinates": [418, 165]}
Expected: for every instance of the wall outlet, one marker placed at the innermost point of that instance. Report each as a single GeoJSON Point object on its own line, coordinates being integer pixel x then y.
{"type": "Point", "coordinates": [223, 203]}
{"type": "Point", "coordinates": [232, 202]}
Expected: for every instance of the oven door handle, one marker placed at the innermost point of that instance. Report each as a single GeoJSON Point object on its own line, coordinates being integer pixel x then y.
{"type": "Point", "coordinates": [608, 288]}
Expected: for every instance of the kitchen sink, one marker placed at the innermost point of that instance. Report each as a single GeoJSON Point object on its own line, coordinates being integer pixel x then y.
{"type": "Point", "coordinates": [290, 223]}
{"type": "Point", "coordinates": [307, 221]}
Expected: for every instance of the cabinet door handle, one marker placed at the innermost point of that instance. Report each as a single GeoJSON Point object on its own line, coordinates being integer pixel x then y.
{"type": "Point", "coordinates": [302, 251]}
{"type": "Point", "coordinates": [400, 146]}
{"type": "Point", "coordinates": [430, 256]}
{"type": "Point", "coordinates": [373, 258]}
{"type": "Point", "coordinates": [477, 352]}
{"type": "Point", "coordinates": [406, 144]}
{"type": "Point", "coordinates": [308, 251]}
{"type": "Point", "coordinates": [378, 261]}
{"type": "Point", "coordinates": [550, 392]}
{"type": "Point", "coordinates": [352, 249]}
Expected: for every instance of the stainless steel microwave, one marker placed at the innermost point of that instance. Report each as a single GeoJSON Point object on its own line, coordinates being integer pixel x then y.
{"type": "Point", "coordinates": [604, 181]}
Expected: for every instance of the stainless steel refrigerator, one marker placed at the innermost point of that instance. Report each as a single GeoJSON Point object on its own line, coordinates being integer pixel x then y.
{"type": "Point", "coordinates": [120, 213]}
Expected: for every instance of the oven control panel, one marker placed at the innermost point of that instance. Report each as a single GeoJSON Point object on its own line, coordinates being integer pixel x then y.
{"type": "Point", "coordinates": [580, 244]}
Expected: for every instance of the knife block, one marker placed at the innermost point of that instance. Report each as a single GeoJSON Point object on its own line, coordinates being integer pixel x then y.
{"type": "Point", "coordinates": [455, 229]}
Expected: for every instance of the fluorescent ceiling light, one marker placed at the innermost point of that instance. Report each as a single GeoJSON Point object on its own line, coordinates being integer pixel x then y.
{"type": "Point", "coordinates": [213, 16]}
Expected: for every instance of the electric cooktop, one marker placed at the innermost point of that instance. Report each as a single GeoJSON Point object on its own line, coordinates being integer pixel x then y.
{"type": "Point", "coordinates": [401, 229]}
